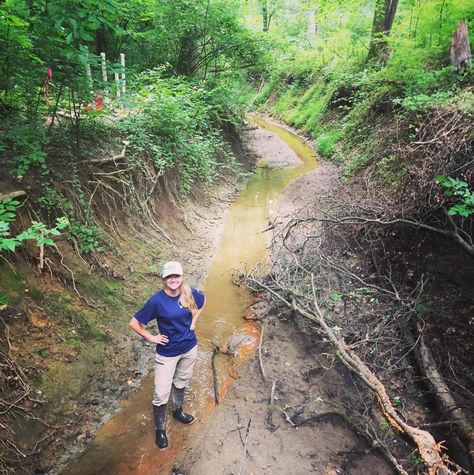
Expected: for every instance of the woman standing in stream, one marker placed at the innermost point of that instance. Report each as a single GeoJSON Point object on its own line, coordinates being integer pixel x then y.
{"type": "Point", "coordinates": [176, 309]}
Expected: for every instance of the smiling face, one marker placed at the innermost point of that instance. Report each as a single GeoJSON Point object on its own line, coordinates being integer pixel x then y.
{"type": "Point", "coordinates": [173, 284]}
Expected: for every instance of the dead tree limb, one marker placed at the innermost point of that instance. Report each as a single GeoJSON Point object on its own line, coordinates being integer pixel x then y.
{"type": "Point", "coordinates": [215, 380]}
{"type": "Point", "coordinates": [444, 397]}
{"type": "Point", "coordinates": [262, 369]}
{"type": "Point", "coordinates": [429, 450]}
{"type": "Point", "coordinates": [271, 403]}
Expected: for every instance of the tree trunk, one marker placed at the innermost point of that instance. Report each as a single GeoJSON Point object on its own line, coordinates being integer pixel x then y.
{"type": "Point", "coordinates": [460, 48]}
{"type": "Point", "coordinates": [186, 58]}
{"type": "Point", "coordinates": [384, 15]}
{"type": "Point", "coordinates": [311, 22]}
{"type": "Point", "coordinates": [100, 41]}
{"type": "Point", "coordinates": [265, 19]}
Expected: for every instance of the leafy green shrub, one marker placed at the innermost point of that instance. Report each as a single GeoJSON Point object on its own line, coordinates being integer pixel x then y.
{"type": "Point", "coordinates": [178, 126]}
{"type": "Point", "coordinates": [26, 144]}
{"type": "Point", "coordinates": [265, 93]}
{"type": "Point", "coordinates": [423, 102]}
{"type": "Point", "coordinates": [461, 193]}
{"type": "Point", "coordinates": [326, 143]}
{"type": "Point", "coordinates": [355, 163]}
{"type": "Point", "coordinates": [389, 171]}
{"type": "Point", "coordinates": [88, 236]}
{"type": "Point", "coordinates": [37, 231]}
{"type": "Point", "coordinates": [52, 199]}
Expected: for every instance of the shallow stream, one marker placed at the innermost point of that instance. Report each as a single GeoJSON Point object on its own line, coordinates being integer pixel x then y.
{"type": "Point", "coordinates": [125, 443]}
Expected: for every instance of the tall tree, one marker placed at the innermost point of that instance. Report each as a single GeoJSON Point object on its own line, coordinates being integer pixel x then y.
{"type": "Point", "coordinates": [268, 10]}
{"type": "Point", "coordinates": [384, 15]}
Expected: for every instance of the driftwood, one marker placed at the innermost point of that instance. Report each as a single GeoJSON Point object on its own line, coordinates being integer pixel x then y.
{"type": "Point", "coordinates": [460, 48]}
{"type": "Point", "coordinates": [429, 450]}
{"type": "Point", "coordinates": [444, 397]}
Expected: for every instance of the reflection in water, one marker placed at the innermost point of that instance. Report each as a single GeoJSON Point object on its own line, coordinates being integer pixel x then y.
{"type": "Point", "coordinates": [125, 444]}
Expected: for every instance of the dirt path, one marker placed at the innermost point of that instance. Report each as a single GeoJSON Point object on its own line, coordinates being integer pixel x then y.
{"type": "Point", "coordinates": [301, 432]}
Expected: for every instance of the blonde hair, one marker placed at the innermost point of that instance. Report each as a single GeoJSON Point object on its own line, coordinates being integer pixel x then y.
{"type": "Point", "coordinates": [187, 299]}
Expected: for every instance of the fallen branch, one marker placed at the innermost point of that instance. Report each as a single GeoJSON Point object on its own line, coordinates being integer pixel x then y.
{"type": "Point", "coordinates": [444, 397]}
{"type": "Point", "coordinates": [265, 379]}
{"type": "Point", "coordinates": [454, 234]}
{"type": "Point", "coordinates": [262, 369]}
{"type": "Point", "coordinates": [427, 447]}
{"type": "Point", "coordinates": [271, 406]}
{"type": "Point", "coordinates": [287, 418]}
{"type": "Point", "coordinates": [228, 432]}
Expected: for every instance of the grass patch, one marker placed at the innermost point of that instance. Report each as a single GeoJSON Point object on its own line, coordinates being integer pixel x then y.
{"type": "Point", "coordinates": [326, 143]}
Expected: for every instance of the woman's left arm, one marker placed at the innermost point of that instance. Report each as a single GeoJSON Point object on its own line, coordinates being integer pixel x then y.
{"type": "Point", "coordinates": [196, 316]}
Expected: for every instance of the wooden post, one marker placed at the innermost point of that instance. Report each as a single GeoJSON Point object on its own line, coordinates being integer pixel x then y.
{"type": "Point", "coordinates": [104, 67]}
{"type": "Point", "coordinates": [460, 48]}
{"type": "Point", "coordinates": [122, 62]}
{"type": "Point", "coordinates": [117, 83]}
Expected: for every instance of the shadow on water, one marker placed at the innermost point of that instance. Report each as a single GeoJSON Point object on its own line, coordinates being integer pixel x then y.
{"type": "Point", "coordinates": [125, 443]}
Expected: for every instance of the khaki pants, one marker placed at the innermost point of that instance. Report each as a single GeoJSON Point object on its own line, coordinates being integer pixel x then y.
{"type": "Point", "coordinates": [170, 370]}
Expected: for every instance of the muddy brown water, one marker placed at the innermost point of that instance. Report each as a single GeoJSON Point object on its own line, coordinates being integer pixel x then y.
{"type": "Point", "coordinates": [125, 443]}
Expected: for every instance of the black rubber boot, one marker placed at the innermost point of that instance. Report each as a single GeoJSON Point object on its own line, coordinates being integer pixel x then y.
{"type": "Point", "coordinates": [177, 397]}
{"type": "Point", "coordinates": [159, 414]}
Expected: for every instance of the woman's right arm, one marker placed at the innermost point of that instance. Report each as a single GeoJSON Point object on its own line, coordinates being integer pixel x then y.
{"type": "Point", "coordinates": [143, 332]}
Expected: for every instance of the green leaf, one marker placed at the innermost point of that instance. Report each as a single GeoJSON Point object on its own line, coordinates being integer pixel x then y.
{"type": "Point", "coordinates": [8, 244]}
{"type": "Point", "coordinates": [7, 217]}
{"type": "Point", "coordinates": [85, 36]}
{"type": "Point", "coordinates": [336, 297]}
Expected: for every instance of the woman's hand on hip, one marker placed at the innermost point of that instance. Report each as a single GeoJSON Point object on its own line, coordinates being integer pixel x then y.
{"type": "Point", "coordinates": [160, 339]}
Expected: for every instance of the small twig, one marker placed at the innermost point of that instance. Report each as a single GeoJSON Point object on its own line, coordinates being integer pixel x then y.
{"type": "Point", "coordinates": [271, 405]}
{"type": "Point", "coordinates": [262, 369]}
{"type": "Point", "coordinates": [242, 461]}
{"type": "Point", "coordinates": [215, 351]}
{"type": "Point", "coordinates": [229, 431]}
{"type": "Point", "coordinates": [287, 418]}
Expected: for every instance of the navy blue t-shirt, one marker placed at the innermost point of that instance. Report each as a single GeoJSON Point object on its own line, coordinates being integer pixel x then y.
{"type": "Point", "coordinates": [173, 320]}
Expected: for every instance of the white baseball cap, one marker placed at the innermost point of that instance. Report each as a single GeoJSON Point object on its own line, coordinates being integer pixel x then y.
{"type": "Point", "coordinates": [172, 268]}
